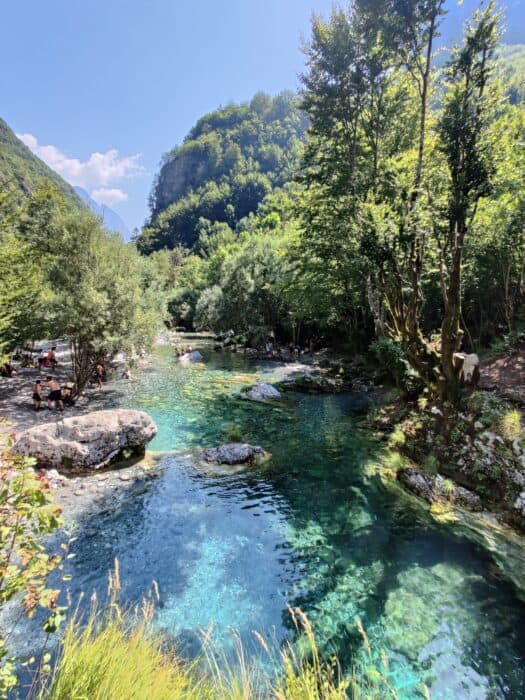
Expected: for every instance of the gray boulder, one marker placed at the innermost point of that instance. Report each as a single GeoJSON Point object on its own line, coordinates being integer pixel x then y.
{"type": "Point", "coordinates": [418, 483]}
{"type": "Point", "coordinates": [190, 357]}
{"type": "Point", "coordinates": [313, 383]}
{"type": "Point", "coordinates": [235, 453]}
{"type": "Point", "coordinates": [432, 489]}
{"type": "Point", "coordinates": [262, 392]}
{"type": "Point", "coordinates": [86, 442]}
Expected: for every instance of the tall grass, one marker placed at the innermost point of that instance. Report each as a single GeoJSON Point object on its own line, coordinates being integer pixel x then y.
{"type": "Point", "coordinates": [115, 655]}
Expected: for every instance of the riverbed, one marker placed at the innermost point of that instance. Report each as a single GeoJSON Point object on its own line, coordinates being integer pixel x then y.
{"type": "Point", "coordinates": [313, 528]}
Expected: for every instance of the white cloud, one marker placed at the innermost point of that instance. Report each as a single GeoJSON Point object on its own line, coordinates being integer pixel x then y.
{"type": "Point", "coordinates": [109, 196]}
{"type": "Point", "coordinates": [98, 171]}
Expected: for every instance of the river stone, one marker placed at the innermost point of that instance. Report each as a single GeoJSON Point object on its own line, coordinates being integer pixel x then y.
{"type": "Point", "coordinates": [189, 357]}
{"type": "Point", "coordinates": [313, 383]}
{"type": "Point", "coordinates": [86, 442]}
{"type": "Point", "coordinates": [418, 483]}
{"type": "Point", "coordinates": [262, 392]}
{"type": "Point", "coordinates": [431, 488]}
{"type": "Point", "coordinates": [235, 453]}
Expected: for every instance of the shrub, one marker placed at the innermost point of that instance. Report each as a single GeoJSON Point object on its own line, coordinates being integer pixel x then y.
{"type": "Point", "coordinates": [27, 513]}
{"type": "Point", "coordinates": [487, 408]}
{"type": "Point", "coordinates": [391, 358]}
{"type": "Point", "coordinates": [397, 438]}
{"type": "Point", "coordinates": [448, 487]}
{"type": "Point", "coordinates": [232, 432]}
{"type": "Point", "coordinates": [431, 464]}
{"type": "Point", "coordinates": [509, 425]}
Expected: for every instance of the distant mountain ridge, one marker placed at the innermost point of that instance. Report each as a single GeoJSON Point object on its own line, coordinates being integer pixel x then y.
{"type": "Point", "coordinates": [110, 219]}
{"type": "Point", "coordinates": [22, 169]}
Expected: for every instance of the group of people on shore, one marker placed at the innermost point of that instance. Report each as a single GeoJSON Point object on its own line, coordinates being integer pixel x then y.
{"type": "Point", "coordinates": [57, 397]}
{"type": "Point", "coordinates": [179, 352]}
{"type": "Point", "coordinates": [292, 350]}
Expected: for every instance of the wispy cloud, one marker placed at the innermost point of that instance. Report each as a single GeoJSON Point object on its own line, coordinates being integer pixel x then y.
{"type": "Point", "coordinates": [109, 196]}
{"type": "Point", "coordinates": [94, 174]}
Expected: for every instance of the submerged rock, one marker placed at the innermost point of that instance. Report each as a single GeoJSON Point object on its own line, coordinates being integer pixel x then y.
{"type": "Point", "coordinates": [262, 392]}
{"type": "Point", "coordinates": [235, 453]}
{"type": "Point", "coordinates": [190, 357]}
{"type": "Point", "coordinates": [86, 442]}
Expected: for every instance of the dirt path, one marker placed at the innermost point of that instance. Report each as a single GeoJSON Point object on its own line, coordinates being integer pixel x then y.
{"type": "Point", "coordinates": [506, 375]}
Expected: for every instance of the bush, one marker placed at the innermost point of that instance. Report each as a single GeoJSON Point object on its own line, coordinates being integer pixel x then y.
{"type": "Point", "coordinates": [392, 360]}
{"type": "Point", "coordinates": [487, 408]}
{"type": "Point", "coordinates": [397, 438]}
{"type": "Point", "coordinates": [431, 464]}
{"type": "Point", "coordinates": [27, 513]}
{"type": "Point", "coordinates": [448, 487]}
{"type": "Point", "coordinates": [509, 425]}
{"type": "Point", "coordinates": [233, 433]}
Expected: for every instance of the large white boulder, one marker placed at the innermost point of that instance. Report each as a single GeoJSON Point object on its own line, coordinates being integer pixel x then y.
{"type": "Point", "coordinates": [86, 442]}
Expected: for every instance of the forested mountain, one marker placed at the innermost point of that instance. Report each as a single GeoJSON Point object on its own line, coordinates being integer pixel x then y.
{"type": "Point", "coordinates": [230, 160]}
{"type": "Point", "coordinates": [20, 168]}
{"type": "Point", "coordinates": [234, 157]}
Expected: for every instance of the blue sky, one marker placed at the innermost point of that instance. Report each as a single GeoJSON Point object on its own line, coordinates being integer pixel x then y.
{"type": "Point", "coordinates": [101, 89]}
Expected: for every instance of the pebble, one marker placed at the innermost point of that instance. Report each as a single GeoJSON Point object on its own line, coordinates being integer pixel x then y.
{"type": "Point", "coordinates": [126, 477]}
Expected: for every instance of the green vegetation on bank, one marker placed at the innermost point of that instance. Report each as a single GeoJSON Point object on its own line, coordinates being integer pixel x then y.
{"type": "Point", "coordinates": [63, 276]}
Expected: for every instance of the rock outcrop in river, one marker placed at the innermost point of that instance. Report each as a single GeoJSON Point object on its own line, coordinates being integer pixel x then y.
{"type": "Point", "coordinates": [86, 442]}
{"type": "Point", "coordinates": [191, 357]}
{"type": "Point", "coordinates": [262, 392]}
{"type": "Point", "coordinates": [235, 453]}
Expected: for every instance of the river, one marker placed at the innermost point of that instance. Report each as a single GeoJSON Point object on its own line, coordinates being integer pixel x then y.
{"type": "Point", "coordinates": [313, 527]}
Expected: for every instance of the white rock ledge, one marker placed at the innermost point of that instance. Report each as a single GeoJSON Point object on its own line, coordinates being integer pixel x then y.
{"type": "Point", "coordinates": [86, 442]}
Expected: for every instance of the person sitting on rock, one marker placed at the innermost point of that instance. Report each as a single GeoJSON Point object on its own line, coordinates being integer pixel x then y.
{"type": "Point", "coordinates": [67, 394]}
{"type": "Point", "coordinates": [7, 370]}
{"type": "Point", "coordinates": [27, 360]}
{"type": "Point", "coordinates": [55, 394]}
{"type": "Point", "coordinates": [37, 395]}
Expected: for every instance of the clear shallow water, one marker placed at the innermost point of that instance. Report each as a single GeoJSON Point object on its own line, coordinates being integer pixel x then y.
{"type": "Point", "coordinates": [308, 529]}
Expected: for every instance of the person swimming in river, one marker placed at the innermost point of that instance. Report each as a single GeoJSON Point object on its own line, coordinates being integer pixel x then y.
{"type": "Point", "coordinates": [37, 395]}
{"type": "Point", "coordinates": [55, 394]}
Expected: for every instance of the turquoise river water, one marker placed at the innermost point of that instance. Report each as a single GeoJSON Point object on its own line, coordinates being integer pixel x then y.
{"type": "Point", "coordinates": [311, 528]}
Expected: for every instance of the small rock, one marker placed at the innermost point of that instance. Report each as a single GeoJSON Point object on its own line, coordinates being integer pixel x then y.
{"type": "Point", "coordinates": [478, 425]}
{"type": "Point", "coordinates": [190, 357]}
{"type": "Point", "coordinates": [262, 391]}
{"type": "Point", "coordinates": [235, 453]}
{"type": "Point", "coordinates": [126, 477]}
